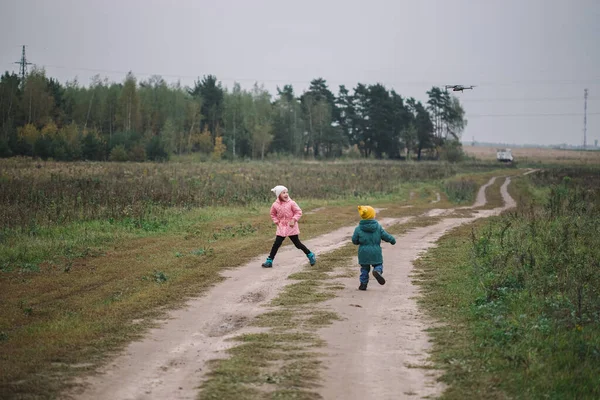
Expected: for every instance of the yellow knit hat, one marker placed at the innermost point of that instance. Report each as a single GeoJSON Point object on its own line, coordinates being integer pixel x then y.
{"type": "Point", "coordinates": [366, 212]}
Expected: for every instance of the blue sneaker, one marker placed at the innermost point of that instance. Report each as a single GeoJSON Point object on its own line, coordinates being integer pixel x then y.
{"type": "Point", "coordinates": [312, 258]}
{"type": "Point", "coordinates": [268, 263]}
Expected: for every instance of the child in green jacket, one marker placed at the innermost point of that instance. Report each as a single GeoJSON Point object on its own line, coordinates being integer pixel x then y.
{"type": "Point", "coordinates": [368, 236]}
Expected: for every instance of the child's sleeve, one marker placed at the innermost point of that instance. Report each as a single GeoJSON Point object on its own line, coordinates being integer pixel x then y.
{"type": "Point", "coordinates": [355, 238]}
{"type": "Point", "coordinates": [297, 211]}
{"type": "Point", "coordinates": [274, 214]}
{"type": "Point", "coordinates": [387, 237]}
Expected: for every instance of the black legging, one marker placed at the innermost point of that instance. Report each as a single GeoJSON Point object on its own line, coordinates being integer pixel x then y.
{"type": "Point", "coordinates": [280, 239]}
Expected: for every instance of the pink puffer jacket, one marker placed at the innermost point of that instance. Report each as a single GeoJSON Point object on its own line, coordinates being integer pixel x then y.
{"type": "Point", "coordinates": [282, 212]}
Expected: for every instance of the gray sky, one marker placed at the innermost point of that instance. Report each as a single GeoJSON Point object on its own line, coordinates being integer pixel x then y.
{"type": "Point", "coordinates": [525, 56]}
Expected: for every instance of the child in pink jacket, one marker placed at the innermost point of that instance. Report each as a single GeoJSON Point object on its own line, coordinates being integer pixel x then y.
{"type": "Point", "coordinates": [285, 213]}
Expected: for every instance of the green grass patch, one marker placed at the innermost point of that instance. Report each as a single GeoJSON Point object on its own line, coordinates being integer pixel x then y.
{"type": "Point", "coordinates": [492, 193]}
{"type": "Point", "coordinates": [278, 318]}
{"type": "Point", "coordinates": [420, 222]}
{"type": "Point", "coordinates": [304, 292]}
{"type": "Point", "coordinates": [461, 191]}
{"type": "Point", "coordinates": [517, 306]}
{"type": "Point", "coordinates": [322, 318]}
{"type": "Point", "coordinates": [304, 275]}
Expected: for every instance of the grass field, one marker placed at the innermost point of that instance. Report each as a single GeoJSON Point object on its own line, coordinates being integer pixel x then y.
{"type": "Point", "coordinates": [92, 253]}
{"type": "Point", "coordinates": [87, 248]}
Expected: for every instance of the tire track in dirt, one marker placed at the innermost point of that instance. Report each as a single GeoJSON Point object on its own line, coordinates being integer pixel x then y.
{"type": "Point", "coordinates": [379, 349]}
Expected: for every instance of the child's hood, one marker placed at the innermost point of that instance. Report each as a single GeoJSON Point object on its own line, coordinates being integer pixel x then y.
{"type": "Point", "coordinates": [368, 225]}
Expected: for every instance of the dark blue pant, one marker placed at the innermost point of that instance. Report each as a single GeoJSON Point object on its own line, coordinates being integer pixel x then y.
{"type": "Point", "coordinates": [366, 268]}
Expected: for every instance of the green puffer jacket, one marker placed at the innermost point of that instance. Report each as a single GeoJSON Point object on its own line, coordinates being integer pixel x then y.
{"type": "Point", "coordinates": [368, 236]}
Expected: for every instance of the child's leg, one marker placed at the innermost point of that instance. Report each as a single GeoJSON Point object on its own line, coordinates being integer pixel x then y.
{"type": "Point", "coordinates": [377, 272]}
{"type": "Point", "coordinates": [364, 273]}
{"type": "Point", "coordinates": [276, 245]}
{"type": "Point", "coordinates": [296, 240]}
{"type": "Point", "coordinates": [311, 257]}
{"type": "Point", "coordinates": [378, 268]}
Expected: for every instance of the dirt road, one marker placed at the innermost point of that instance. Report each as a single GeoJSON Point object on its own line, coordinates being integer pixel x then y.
{"type": "Point", "coordinates": [372, 354]}
{"type": "Point", "coordinates": [368, 353]}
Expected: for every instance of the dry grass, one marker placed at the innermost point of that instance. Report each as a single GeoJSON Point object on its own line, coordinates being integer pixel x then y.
{"type": "Point", "coordinates": [537, 155]}
{"type": "Point", "coordinates": [139, 193]}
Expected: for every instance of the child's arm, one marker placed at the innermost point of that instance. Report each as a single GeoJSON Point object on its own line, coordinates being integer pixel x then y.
{"type": "Point", "coordinates": [355, 237]}
{"type": "Point", "coordinates": [387, 237]}
{"type": "Point", "coordinates": [297, 211]}
{"type": "Point", "coordinates": [274, 214]}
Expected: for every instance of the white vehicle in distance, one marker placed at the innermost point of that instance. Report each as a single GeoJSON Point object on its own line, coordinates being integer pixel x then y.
{"type": "Point", "coordinates": [504, 155]}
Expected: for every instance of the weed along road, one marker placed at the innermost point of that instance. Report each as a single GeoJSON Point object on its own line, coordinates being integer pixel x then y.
{"type": "Point", "coordinates": [296, 329]}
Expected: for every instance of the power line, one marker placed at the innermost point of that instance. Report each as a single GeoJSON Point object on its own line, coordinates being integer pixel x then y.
{"type": "Point", "coordinates": [530, 115]}
{"type": "Point", "coordinates": [521, 99]}
{"type": "Point", "coordinates": [462, 99]}
{"type": "Point", "coordinates": [249, 79]}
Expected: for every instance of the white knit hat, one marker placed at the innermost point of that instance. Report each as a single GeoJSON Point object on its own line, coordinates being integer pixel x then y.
{"type": "Point", "coordinates": [278, 189]}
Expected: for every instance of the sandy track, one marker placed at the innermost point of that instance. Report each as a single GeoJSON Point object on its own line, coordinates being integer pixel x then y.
{"type": "Point", "coordinates": [374, 351]}
{"type": "Point", "coordinates": [170, 361]}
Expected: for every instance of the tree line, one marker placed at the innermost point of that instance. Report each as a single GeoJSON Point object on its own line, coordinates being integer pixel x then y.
{"type": "Point", "coordinates": [152, 120]}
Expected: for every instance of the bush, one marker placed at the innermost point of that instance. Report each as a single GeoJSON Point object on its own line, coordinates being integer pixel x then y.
{"type": "Point", "coordinates": [118, 153]}
{"type": "Point", "coordinates": [5, 150]}
{"type": "Point", "coordinates": [59, 150]}
{"type": "Point", "coordinates": [42, 147]}
{"type": "Point", "coordinates": [156, 149]}
{"type": "Point", "coordinates": [92, 148]}
{"type": "Point", "coordinates": [137, 153]}
{"type": "Point", "coordinates": [452, 152]}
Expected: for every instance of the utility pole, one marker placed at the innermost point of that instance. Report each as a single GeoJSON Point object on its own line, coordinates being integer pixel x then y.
{"type": "Point", "coordinates": [585, 95]}
{"type": "Point", "coordinates": [23, 63]}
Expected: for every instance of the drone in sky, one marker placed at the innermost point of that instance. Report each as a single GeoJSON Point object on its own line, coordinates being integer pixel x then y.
{"type": "Point", "coordinates": [459, 88]}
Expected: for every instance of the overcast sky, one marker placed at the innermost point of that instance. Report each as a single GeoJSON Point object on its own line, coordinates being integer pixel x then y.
{"type": "Point", "coordinates": [528, 58]}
